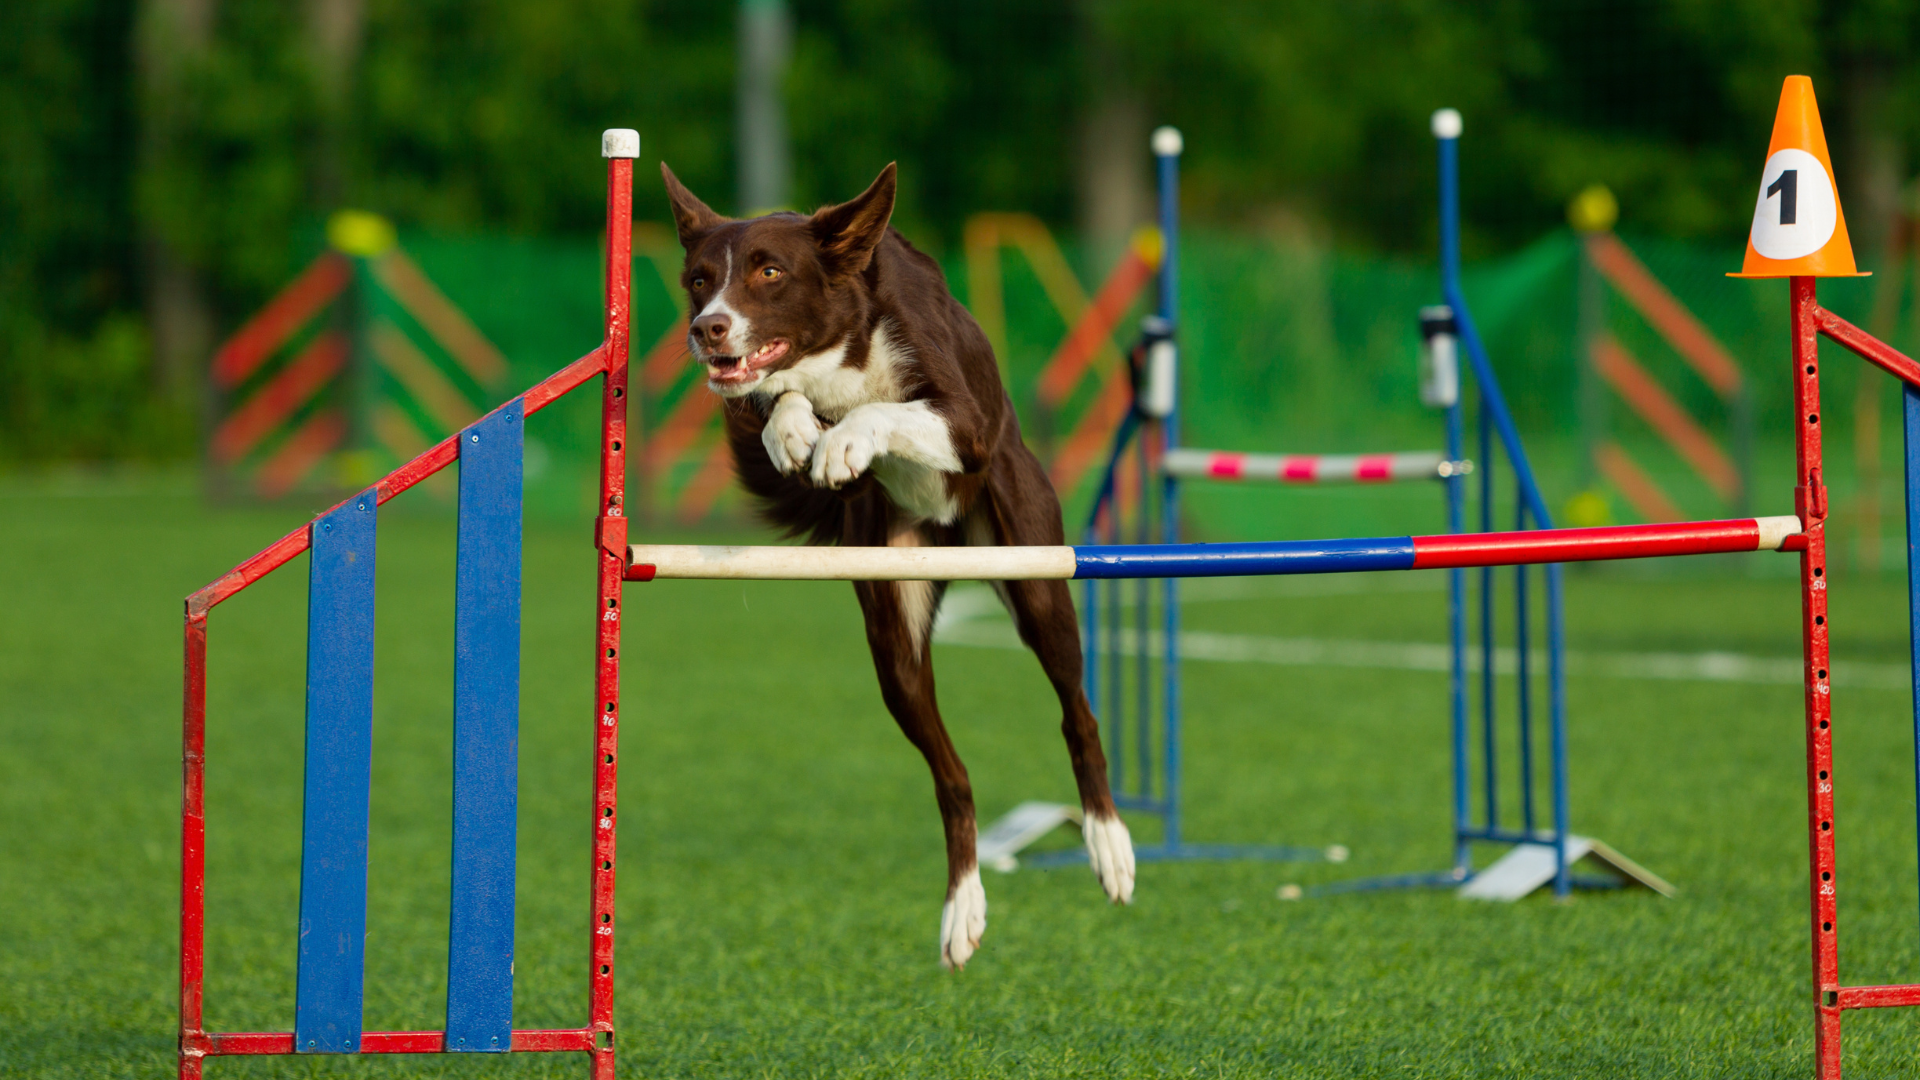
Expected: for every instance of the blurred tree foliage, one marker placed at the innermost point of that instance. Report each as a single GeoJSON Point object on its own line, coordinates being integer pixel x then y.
{"type": "Point", "coordinates": [481, 114]}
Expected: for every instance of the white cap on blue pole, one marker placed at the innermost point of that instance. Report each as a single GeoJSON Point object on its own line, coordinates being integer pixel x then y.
{"type": "Point", "coordinates": [1167, 142]}
{"type": "Point", "coordinates": [1446, 124]}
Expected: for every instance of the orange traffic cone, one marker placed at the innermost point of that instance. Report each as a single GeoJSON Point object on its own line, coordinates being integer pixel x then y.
{"type": "Point", "coordinates": [1798, 229]}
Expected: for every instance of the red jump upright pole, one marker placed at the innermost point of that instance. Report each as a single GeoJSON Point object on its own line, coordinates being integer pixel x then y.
{"type": "Point", "coordinates": [620, 147]}
{"type": "Point", "coordinates": [193, 844]}
{"type": "Point", "coordinates": [1810, 501]}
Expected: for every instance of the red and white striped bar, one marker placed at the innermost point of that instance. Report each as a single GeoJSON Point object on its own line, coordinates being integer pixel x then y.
{"type": "Point", "coordinates": [688, 562]}
{"type": "Point", "coordinates": [1194, 464]}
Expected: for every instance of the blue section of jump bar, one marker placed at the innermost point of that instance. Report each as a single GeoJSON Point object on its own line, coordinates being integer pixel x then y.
{"type": "Point", "coordinates": [339, 756]}
{"type": "Point", "coordinates": [486, 735]}
{"type": "Point", "coordinates": [1243, 560]}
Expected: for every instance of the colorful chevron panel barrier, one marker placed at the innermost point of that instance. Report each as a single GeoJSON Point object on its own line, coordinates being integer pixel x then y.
{"type": "Point", "coordinates": [361, 354]}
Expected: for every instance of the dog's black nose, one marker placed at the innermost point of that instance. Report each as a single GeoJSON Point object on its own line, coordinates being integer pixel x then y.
{"type": "Point", "coordinates": [711, 330]}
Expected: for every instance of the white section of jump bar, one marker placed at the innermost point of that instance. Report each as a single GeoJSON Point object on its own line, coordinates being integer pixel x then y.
{"type": "Point", "coordinates": [1775, 530]}
{"type": "Point", "coordinates": [1312, 468]}
{"type": "Point", "coordinates": [856, 563]}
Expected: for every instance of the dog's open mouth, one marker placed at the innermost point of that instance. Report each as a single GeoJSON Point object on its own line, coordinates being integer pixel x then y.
{"type": "Point", "coordinates": [739, 369]}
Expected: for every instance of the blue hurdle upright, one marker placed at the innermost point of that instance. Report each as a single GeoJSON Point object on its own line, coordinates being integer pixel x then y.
{"type": "Point", "coordinates": [1133, 674]}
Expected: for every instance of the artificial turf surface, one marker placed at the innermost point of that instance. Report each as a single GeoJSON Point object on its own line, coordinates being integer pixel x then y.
{"type": "Point", "coordinates": [781, 872]}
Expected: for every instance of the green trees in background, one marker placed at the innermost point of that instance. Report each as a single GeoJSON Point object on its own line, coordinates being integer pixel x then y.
{"type": "Point", "coordinates": [164, 163]}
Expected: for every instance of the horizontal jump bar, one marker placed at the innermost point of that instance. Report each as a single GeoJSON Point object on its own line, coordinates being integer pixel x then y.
{"type": "Point", "coordinates": [218, 1044]}
{"type": "Point", "coordinates": [1313, 468]}
{"type": "Point", "coordinates": [647, 562]}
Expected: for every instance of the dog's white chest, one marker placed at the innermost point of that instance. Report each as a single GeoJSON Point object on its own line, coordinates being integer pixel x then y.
{"type": "Point", "coordinates": [919, 490]}
{"type": "Point", "coordinates": [905, 444]}
{"type": "Point", "coordinates": [834, 387]}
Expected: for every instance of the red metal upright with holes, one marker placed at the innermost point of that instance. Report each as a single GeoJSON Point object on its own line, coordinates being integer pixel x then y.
{"type": "Point", "coordinates": [1810, 502]}
{"type": "Point", "coordinates": [611, 550]}
{"type": "Point", "coordinates": [596, 1038]}
{"type": "Point", "coordinates": [1831, 1000]}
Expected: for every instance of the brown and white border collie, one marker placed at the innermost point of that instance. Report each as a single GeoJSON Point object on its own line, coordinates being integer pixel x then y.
{"type": "Point", "coordinates": [864, 407]}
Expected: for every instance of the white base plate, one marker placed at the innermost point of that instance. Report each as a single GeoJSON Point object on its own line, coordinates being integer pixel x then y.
{"type": "Point", "coordinates": [1000, 845]}
{"type": "Point", "coordinates": [1530, 866]}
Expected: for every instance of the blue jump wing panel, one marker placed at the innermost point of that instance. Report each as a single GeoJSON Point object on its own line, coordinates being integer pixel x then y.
{"type": "Point", "coordinates": [339, 755]}
{"type": "Point", "coordinates": [486, 735]}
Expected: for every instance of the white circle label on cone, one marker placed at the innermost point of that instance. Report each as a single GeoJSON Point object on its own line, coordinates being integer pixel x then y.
{"type": "Point", "coordinates": [1797, 211]}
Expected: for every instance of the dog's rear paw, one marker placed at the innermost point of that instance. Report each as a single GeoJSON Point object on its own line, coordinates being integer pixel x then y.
{"type": "Point", "coordinates": [963, 920]}
{"type": "Point", "coordinates": [1110, 850]}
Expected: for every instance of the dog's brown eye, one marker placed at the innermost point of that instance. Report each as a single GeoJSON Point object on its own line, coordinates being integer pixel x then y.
{"type": "Point", "coordinates": [699, 283]}
{"type": "Point", "coordinates": [770, 272]}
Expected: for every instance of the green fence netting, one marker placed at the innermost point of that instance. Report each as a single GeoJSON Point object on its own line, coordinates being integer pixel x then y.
{"type": "Point", "coordinates": [1287, 346]}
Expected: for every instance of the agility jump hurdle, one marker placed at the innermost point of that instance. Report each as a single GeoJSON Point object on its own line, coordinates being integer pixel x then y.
{"type": "Point", "coordinates": [1147, 726]}
{"type": "Point", "coordinates": [1797, 129]}
{"type": "Point", "coordinates": [331, 934]}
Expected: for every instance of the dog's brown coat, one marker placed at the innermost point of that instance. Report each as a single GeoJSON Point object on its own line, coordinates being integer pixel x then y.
{"type": "Point", "coordinates": [844, 275]}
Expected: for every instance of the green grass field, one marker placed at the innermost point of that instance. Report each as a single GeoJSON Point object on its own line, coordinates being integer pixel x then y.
{"type": "Point", "coordinates": [781, 875]}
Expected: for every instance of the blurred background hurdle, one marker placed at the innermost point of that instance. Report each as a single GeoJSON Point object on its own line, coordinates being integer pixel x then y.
{"type": "Point", "coordinates": [1609, 268]}
{"type": "Point", "coordinates": [1133, 672]}
{"type": "Point", "coordinates": [360, 362]}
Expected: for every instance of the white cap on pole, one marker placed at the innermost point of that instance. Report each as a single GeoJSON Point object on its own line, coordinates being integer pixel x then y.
{"type": "Point", "coordinates": [619, 143]}
{"type": "Point", "coordinates": [1167, 142]}
{"type": "Point", "coordinates": [1446, 124]}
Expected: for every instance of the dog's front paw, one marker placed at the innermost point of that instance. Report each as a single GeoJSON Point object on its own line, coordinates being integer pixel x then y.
{"type": "Point", "coordinates": [1110, 850]}
{"type": "Point", "coordinates": [962, 921]}
{"type": "Point", "coordinates": [791, 433]}
{"type": "Point", "coordinates": [849, 447]}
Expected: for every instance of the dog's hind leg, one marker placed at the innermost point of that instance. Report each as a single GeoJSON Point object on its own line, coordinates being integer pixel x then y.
{"type": "Point", "coordinates": [1021, 509]}
{"type": "Point", "coordinates": [899, 621]}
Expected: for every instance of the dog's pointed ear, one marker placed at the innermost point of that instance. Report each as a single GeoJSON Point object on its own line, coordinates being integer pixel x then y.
{"type": "Point", "coordinates": [848, 233]}
{"type": "Point", "coordinates": [691, 217]}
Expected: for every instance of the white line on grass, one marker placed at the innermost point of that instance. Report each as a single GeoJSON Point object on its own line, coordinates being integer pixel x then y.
{"type": "Point", "coordinates": [963, 621]}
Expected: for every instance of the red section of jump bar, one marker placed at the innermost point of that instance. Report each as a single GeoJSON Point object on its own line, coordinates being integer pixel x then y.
{"type": "Point", "coordinates": [215, 1044]}
{"type": "Point", "coordinates": [443, 454]}
{"type": "Point", "coordinates": [1586, 545]}
{"type": "Point", "coordinates": [1227, 466]}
